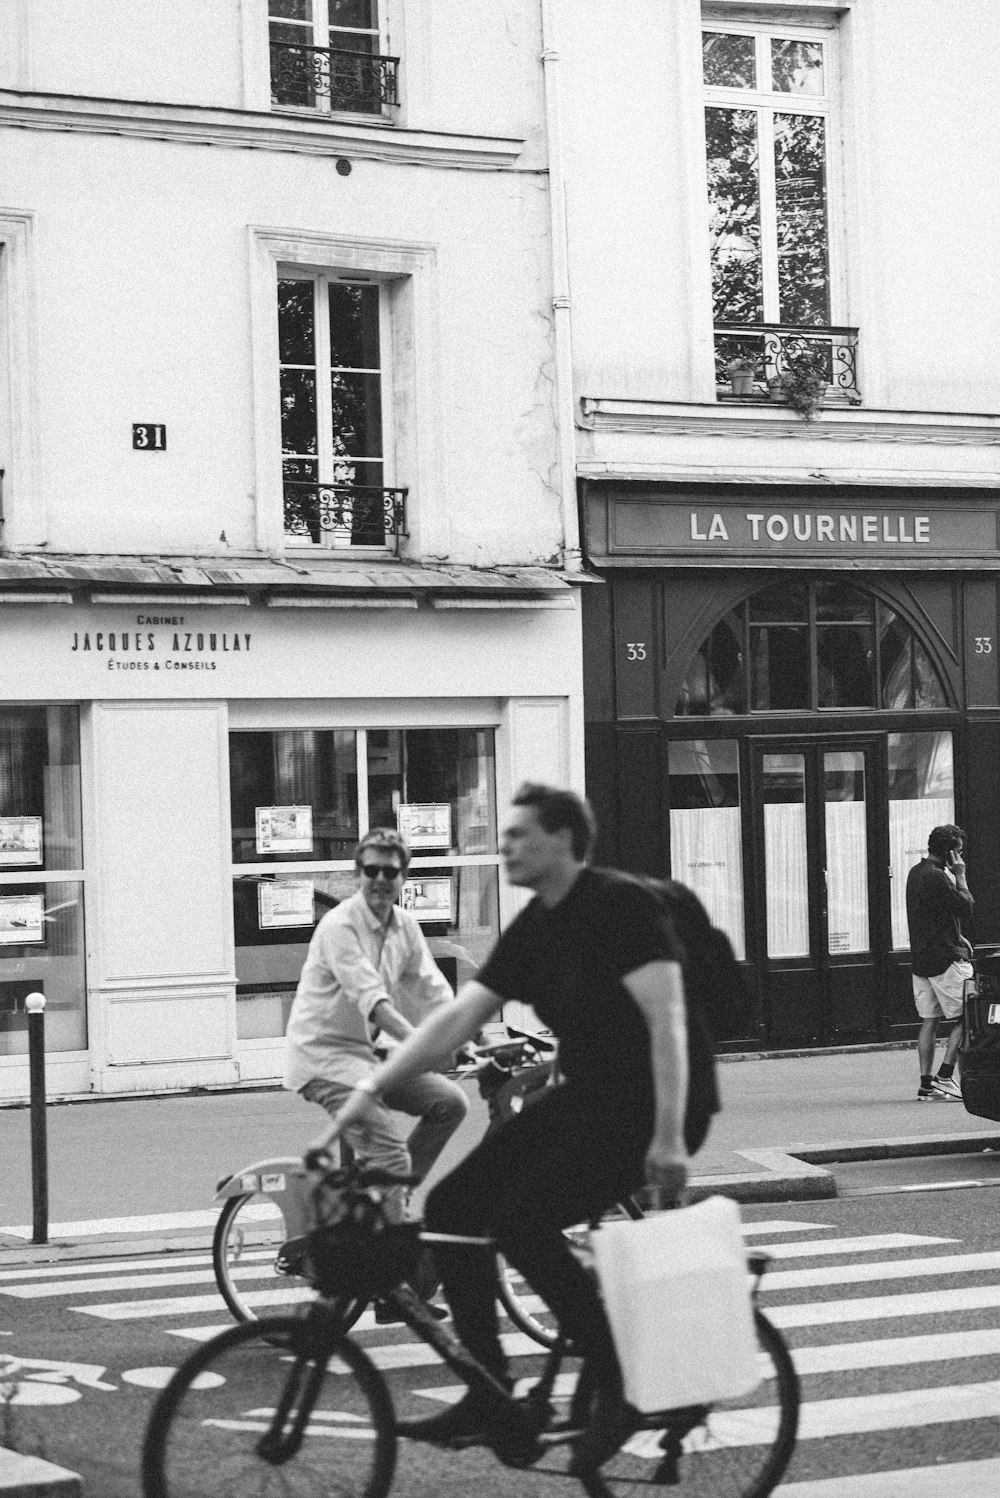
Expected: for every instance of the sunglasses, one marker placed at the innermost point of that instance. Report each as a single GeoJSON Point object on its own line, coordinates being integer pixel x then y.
{"type": "Point", "coordinates": [381, 870]}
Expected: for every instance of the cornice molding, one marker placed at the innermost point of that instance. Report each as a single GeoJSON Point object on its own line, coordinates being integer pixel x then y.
{"type": "Point", "coordinates": [830, 424]}
{"type": "Point", "coordinates": [192, 124]}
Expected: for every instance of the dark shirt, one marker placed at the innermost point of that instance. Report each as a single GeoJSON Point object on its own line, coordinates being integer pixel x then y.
{"type": "Point", "coordinates": [934, 910]}
{"type": "Point", "coordinates": [568, 963]}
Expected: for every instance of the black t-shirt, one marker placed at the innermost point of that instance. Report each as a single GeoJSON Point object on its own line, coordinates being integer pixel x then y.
{"type": "Point", "coordinates": [568, 962]}
{"type": "Point", "coordinates": [935, 908]}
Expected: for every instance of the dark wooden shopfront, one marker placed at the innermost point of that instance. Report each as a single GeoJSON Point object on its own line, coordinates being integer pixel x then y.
{"type": "Point", "coordinates": [779, 718]}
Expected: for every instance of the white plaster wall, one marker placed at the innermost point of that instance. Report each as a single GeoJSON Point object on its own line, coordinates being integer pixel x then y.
{"type": "Point", "coordinates": [918, 206]}
{"type": "Point", "coordinates": [141, 269]}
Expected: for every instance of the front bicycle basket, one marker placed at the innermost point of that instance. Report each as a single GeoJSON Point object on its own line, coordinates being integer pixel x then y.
{"type": "Point", "coordinates": [363, 1254]}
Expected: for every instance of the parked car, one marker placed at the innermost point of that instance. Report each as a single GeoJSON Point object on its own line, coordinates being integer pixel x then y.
{"type": "Point", "coordinates": [979, 1057]}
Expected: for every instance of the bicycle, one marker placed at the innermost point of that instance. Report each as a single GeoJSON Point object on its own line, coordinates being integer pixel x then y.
{"type": "Point", "coordinates": [292, 1401]}
{"type": "Point", "coordinates": [267, 1208]}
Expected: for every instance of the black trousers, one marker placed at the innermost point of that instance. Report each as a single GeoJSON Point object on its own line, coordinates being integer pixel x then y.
{"type": "Point", "coordinates": [562, 1161]}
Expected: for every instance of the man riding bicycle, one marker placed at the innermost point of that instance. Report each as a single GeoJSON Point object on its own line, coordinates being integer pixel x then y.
{"type": "Point", "coordinates": [595, 958]}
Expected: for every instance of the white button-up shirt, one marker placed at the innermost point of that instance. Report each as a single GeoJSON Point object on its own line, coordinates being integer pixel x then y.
{"type": "Point", "coordinates": [353, 963]}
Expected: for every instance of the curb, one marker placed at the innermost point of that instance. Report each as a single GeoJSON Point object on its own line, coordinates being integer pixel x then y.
{"type": "Point", "coordinates": [30, 1477]}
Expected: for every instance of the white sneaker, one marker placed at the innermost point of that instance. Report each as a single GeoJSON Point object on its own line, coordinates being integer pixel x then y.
{"type": "Point", "coordinates": [947, 1087]}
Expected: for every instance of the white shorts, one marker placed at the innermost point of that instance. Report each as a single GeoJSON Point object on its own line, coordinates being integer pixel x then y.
{"type": "Point", "coordinates": [941, 997]}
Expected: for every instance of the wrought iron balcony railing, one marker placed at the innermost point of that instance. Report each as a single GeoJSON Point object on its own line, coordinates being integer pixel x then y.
{"type": "Point", "coordinates": [344, 514]}
{"type": "Point", "coordinates": [310, 77]}
{"type": "Point", "coordinates": [767, 347]}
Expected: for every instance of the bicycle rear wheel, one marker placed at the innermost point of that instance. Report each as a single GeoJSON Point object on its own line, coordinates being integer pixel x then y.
{"type": "Point", "coordinates": [251, 1278]}
{"type": "Point", "coordinates": [208, 1429]}
{"type": "Point", "coordinates": [738, 1449]}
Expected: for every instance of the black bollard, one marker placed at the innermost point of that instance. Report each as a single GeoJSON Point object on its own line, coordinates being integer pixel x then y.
{"type": "Point", "coordinates": [35, 1005]}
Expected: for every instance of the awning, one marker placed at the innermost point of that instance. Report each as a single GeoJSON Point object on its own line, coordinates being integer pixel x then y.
{"type": "Point", "coordinates": [294, 582]}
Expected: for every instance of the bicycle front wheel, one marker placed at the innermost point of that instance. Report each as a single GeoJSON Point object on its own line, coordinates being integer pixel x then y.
{"type": "Point", "coordinates": [272, 1407]}
{"type": "Point", "coordinates": [738, 1449]}
{"type": "Point", "coordinates": [251, 1277]}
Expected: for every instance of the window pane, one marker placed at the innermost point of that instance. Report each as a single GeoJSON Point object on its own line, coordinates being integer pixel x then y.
{"type": "Point", "coordinates": [921, 796]}
{"type": "Point", "coordinates": [356, 407]}
{"type": "Point", "coordinates": [734, 214]}
{"type": "Point", "coordinates": [908, 677]}
{"type": "Point", "coordinates": [786, 603]}
{"type": "Point", "coordinates": [296, 344]}
{"type": "Point", "coordinates": [846, 851]}
{"type": "Point", "coordinates": [413, 774]}
{"type": "Point", "coordinates": [779, 668]}
{"type": "Point", "coordinates": [294, 795]}
{"type": "Point", "coordinates": [706, 849]}
{"type": "Point", "coordinates": [293, 65]}
{"type": "Point", "coordinates": [353, 326]}
{"type": "Point", "coordinates": [800, 193]}
{"type": "Point", "coordinates": [785, 878]}
{"type": "Point", "coordinates": [298, 411]}
{"type": "Point", "coordinates": [797, 67]}
{"type": "Point", "coordinates": [40, 789]}
{"type": "Point", "coordinates": [728, 60]}
{"type": "Point", "coordinates": [714, 682]}
{"type": "Point", "coordinates": [845, 659]}
{"type": "Point", "coordinates": [358, 13]}
{"type": "Point", "coordinates": [291, 10]}
{"type": "Point", "coordinates": [838, 603]}
{"type": "Point", "coordinates": [49, 959]}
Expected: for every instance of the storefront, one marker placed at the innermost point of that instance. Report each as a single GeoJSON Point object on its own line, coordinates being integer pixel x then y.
{"type": "Point", "coordinates": [183, 780]}
{"type": "Point", "coordinates": [786, 688]}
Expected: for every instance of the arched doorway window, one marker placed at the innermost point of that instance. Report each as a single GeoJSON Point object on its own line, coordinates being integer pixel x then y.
{"type": "Point", "coordinates": [797, 646]}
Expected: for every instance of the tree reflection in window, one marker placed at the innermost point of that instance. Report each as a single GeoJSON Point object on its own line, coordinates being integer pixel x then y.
{"type": "Point", "coordinates": [801, 646]}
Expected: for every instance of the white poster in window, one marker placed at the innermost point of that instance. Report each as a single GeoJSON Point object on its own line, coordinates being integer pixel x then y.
{"type": "Point", "coordinates": [430, 900]}
{"type": "Point", "coordinates": [21, 918]}
{"type": "Point", "coordinates": [285, 902]}
{"type": "Point", "coordinates": [284, 829]}
{"type": "Point", "coordinates": [20, 840]}
{"type": "Point", "coordinates": [425, 824]}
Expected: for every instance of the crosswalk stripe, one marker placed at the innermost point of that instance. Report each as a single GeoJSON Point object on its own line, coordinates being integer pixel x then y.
{"type": "Point", "coordinates": [184, 1305]}
{"type": "Point", "coordinates": [885, 1307]}
{"type": "Point", "coordinates": [890, 1269]}
{"type": "Point", "coordinates": [901, 1410]}
{"type": "Point", "coordinates": [149, 1281]}
{"type": "Point", "coordinates": [103, 1266]}
{"type": "Point", "coordinates": [148, 1223]}
{"type": "Point", "coordinates": [784, 1225]}
{"type": "Point", "coordinates": [873, 1243]}
{"type": "Point", "coordinates": [956, 1480]}
{"type": "Point", "coordinates": [896, 1352]}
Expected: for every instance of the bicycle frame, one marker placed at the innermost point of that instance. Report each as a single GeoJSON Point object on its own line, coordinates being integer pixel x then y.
{"type": "Point", "coordinates": [283, 1180]}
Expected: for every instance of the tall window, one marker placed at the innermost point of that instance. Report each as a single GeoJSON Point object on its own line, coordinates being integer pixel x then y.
{"type": "Point", "coordinates": [330, 340]}
{"type": "Point", "coordinates": [767, 125]}
{"type": "Point", "coordinates": [325, 55]}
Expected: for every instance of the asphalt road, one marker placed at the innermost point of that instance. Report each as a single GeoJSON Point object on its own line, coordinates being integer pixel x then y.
{"type": "Point", "coordinates": [888, 1383]}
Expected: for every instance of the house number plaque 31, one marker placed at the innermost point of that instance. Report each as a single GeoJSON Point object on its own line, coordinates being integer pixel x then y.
{"type": "Point", "coordinates": [149, 436]}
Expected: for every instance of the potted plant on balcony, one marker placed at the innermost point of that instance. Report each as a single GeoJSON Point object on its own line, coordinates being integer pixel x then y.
{"type": "Point", "coordinates": [801, 383]}
{"type": "Point", "coordinates": [741, 372]}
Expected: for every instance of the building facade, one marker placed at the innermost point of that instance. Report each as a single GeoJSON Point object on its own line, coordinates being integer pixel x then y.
{"type": "Point", "coordinates": [787, 440]}
{"type": "Point", "coordinates": [289, 543]}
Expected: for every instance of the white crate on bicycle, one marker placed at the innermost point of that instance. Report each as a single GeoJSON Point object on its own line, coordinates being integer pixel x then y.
{"type": "Point", "coordinates": [678, 1296]}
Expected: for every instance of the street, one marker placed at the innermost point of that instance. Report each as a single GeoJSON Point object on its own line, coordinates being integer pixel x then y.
{"type": "Point", "coordinates": [889, 1301]}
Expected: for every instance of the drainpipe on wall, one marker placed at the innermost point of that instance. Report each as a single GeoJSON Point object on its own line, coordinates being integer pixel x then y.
{"type": "Point", "coordinates": [562, 323]}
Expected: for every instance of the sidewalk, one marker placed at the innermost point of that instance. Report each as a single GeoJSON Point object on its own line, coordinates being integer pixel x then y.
{"type": "Point", "coordinates": [137, 1174]}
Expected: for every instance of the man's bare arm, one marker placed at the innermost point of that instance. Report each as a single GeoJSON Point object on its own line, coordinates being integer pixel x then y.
{"type": "Point", "coordinates": [658, 989]}
{"type": "Point", "coordinates": [441, 1034]}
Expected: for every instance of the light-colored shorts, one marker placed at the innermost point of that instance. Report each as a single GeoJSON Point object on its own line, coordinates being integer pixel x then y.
{"type": "Point", "coordinates": [941, 997]}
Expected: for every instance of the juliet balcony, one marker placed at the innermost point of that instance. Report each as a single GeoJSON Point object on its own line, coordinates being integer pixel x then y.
{"type": "Point", "coordinates": [326, 78]}
{"type": "Point", "coordinates": [753, 361]}
{"type": "Point", "coordinates": [344, 515]}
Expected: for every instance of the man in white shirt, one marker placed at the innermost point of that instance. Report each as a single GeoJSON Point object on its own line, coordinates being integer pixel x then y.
{"type": "Point", "coordinates": [369, 969]}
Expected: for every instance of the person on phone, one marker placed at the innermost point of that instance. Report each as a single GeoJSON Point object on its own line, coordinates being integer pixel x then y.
{"type": "Point", "coordinates": [937, 901]}
{"type": "Point", "coordinates": [595, 957]}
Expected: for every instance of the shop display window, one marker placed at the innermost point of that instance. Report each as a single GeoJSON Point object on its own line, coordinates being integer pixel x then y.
{"type": "Point", "coordinates": [705, 848]}
{"type": "Point", "coordinates": [921, 796]}
{"type": "Point", "coordinates": [41, 902]}
{"type": "Point", "coordinates": [301, 799]}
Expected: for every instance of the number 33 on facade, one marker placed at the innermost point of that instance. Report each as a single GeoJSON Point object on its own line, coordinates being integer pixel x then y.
{"type": "Point", "coordinates": [914, 530]}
